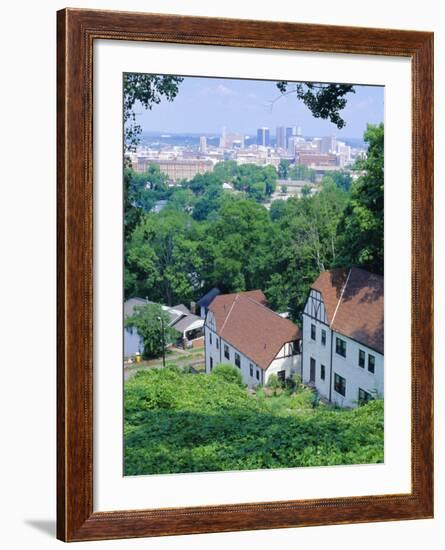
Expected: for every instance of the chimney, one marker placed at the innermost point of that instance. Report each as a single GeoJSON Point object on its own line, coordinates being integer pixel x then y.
{"type": "Point", "coordinates": [193, 307]}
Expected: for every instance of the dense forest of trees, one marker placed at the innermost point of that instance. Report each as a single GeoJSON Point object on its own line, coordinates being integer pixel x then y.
{"type": "Point", "coordinates": [207, 237]}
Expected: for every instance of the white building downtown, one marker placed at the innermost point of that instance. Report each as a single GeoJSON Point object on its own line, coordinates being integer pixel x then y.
{"type": "Point", "coordinates": [343, 336]}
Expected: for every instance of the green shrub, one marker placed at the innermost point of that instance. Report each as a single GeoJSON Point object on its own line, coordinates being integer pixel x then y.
{"type": "Point", "coordinates": [176, 422]}
{"type": "Point", "coordinates": [315, 401]}
{"type": "Point", "coordinates": [296, 379]}
{"type": "Point", "coordinates": [173, 367]}
{"type": "Point", "coordinates": [229, 373]}
{"type": "Point", "coordinates": [273, 382]}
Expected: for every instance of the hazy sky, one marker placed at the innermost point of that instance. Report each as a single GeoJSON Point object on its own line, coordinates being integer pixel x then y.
{"type": "Point", "coordinates": [205, 105]}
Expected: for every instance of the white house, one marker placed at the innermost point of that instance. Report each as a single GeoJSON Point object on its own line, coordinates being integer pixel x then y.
{"type": "Point", "coordinates": [188, 325]}
{"type": "Point", "coordinates": [342, 352]}
{"type": "Point", "coordinates": [241, 330]}
{"type": "Point", "coordinates": [133, 343]}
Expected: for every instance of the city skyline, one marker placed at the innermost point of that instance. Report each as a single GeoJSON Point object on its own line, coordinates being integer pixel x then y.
{"type": "Point", "coordinates": [204, 105]}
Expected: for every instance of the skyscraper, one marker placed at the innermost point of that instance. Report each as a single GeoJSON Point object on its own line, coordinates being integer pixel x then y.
{"type": "Point", "coordinates": [328, 144]}
{"type": "Point", "coordinates": [288, 135]}
{"type": "Point", "coordinates": [281, 137]}
{"type": "Point", "coordinates": [203, 144]}
{"type": "Point", "coordinates": [263, 137]}
{"type": "Point", "coordinates": [284, 134]}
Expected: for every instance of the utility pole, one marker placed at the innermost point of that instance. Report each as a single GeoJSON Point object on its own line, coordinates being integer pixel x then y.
{"type": "Point", "coordinates": [163, 340]}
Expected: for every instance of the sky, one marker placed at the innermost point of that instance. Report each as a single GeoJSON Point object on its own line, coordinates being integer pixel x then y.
{"type": "Point", "coordinates": [204, 105]}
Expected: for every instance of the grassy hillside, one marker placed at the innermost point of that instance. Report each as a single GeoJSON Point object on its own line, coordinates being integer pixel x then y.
{"type": "Point", "coordinates": [177, 422]}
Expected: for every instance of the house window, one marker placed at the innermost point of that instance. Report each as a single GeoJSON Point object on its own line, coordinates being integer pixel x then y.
{"type": "Point", "coordinates": [322, 372]}
{"type": "Point", "coordinates": [217, 343]}
{"type": "Point", "coordinates": [363, 396]}
{"type": "Point", "coordinates": [226, 351]}
{"type": "Point", "coordinates": [251, 369]}
{"type": "Point", "coordinates": [210, 337]}
{"type": "Point", "coordinates": [281, 375]}
{"type": "Point", "coordinates": [313, 332]}
{"type": "Point", "coordinates": [257, 374]}
{"type": "Point", "coordinates": [340, 384]}
{"type": "Point", "coordinates": [211, 363]}
{"type": "Point", "coordinates": [361, 358]}
{"type": "Point", "coordinates": [323, 337]}
{"type": "Point", "coordinates": [340, 347]}
{"type": "Point", "coordinates": [371, 363]}
{"type": "Point", "coordinates": [237, 360]}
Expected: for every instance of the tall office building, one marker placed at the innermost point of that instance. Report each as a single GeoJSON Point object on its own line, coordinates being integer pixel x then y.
{"type": "Point", "coordinates": [284, 133]}
{"type": "Point", "coordinates": [288, 136]}
{"type": "Point", "coordinates": [281, 137]}
{"type": "Point", "coordinates": [263, 137]}
{"type": "Point", "coordinates": [203, 144]}
{"type": "Point", "coordinates": [328, 144]}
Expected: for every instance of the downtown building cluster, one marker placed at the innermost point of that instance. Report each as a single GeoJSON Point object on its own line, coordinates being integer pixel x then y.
{"type": "Point", "coordinates": [184, 161]}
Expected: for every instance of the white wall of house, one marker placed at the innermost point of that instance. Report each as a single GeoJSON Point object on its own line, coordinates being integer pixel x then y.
{"type": "Point", "coordinates": [215, 349]}
{"type": "Point", "coordinates": [355, 376]}
{"type": "Point", "coordinates": [251, 373]}
{"type": "Point", "coordinates": [319, 352]}
{"type": "Point", "coordinates": [291, 364]}
{"type": "Point", "coordinates": [133, 343]}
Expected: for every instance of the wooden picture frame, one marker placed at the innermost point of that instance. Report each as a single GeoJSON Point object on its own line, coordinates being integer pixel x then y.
{"type": "Point", "coordinates": [77, 31]}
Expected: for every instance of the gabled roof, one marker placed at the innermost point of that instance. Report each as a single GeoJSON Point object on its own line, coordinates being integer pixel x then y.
{"type": "Point", "coordinates": [353, 299]}
{"type": "Point", "coordinates": [181, 307]}
{"type": "Point", "coordinates": [130, 304]}
{"type": "Point", "coordinates": [244, 321]}
{"type": "Point", "coordinates": [206, 300]}
{"type": "Point", "coordinates": [175, 313]}
{"type": "Point", "coordinates": [187, 321]}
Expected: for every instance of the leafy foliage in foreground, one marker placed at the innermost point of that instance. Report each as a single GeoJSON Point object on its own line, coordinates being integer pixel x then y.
{"type": "Point", "coordinates": [152, 324]}
{"type": "Point", "coordinates": [176, 422]}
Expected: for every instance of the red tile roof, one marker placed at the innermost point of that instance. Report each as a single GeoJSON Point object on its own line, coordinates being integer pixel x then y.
{"type": "Point", "coordinates": [353, 299]}
{"type": "Point", "coordinates": [244, 321]}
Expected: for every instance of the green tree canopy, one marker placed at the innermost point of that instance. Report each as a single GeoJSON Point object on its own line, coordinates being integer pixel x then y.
{"type": "Point", "coordinates": [361, 227]}
{"type": "Point", "coordinates": [208, 202]}
{"type": "Point", "coordinates": [283, 168]}
{"type": "Point", "coordinates": [248, 176]}
{"type": "Point", "coordinates": [323, 100]}
{"type": "Point", "coordinates": [304, 242]}
{"type": "Point", "coordinates": [163, 257]}
{"type": "Point", "coordinates": [226, 170]}
{"type": "Point", "coordinates": [146, 90]}
{"type": "Point", "coordinates": [301, 172]}
{"type": "Point", "coordinates": [141, 191]}
{"type": "Point", "coordinates": [150, 320]}
{"type": "Point", "coordinates": [341, 179]}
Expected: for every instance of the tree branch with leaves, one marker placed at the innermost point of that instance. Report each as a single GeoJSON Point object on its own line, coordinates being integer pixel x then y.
{"type": "Point", "coordinates": [323, 100]}
{"type": "Point", "coordinates": [147, 90]}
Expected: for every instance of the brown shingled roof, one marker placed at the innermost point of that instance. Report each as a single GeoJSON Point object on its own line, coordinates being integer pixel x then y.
{"type": "Point", "coordinates": [353, 299]}
{"type": "Point", "coordinates": [245, 322]}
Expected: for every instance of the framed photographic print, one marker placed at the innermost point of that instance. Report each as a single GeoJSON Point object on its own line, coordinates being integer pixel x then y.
{"type": "Point", "coordinates": [245, 228]}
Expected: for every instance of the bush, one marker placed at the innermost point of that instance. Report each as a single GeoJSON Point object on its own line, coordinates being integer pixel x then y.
{"type": "Point", "coordinates": [273, 382]}
{"type": "Point", "coordinates": [315, 401]}
{"type": "Point", "coordinates": [173, 367]}
{"type": "Point", "coordinates": [296, 379]}
{"type": "Point", "coordinates": [228, 373]}
{"type": "Point", "coordinates": [176, 423]}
